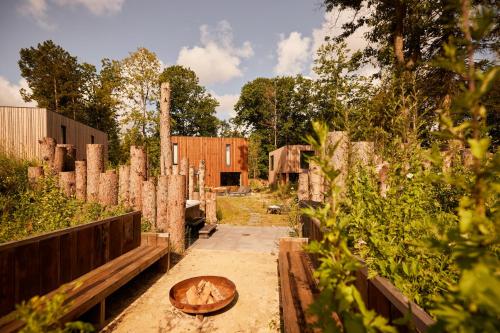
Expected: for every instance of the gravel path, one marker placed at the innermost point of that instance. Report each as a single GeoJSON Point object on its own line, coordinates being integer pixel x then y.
{"type": "Point", "coordinates": [245, 255]}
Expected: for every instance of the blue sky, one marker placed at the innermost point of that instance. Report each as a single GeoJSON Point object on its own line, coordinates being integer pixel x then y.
{"type": "Point", "coordinates": [227, 43]}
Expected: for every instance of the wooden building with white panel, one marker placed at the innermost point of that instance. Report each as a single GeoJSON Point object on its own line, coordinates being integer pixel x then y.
{"type": "Point", "coordinates": [22, 127]}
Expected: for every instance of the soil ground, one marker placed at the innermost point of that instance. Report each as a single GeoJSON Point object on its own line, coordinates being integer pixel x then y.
{"type": "Point", "coordinates": [246, 255]}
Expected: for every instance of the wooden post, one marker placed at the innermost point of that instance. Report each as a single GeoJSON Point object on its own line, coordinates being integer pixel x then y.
{"type": "Point", "coordinates": [81, 180]}
{"type": "Point", "coordinates": [59, 156]}
{"type": "Point", "coordinates": [175, 170]}
{"type": "Point", "coordinates": [196, 196]}
{"type": "Point", "coordinates": [191, 183]}
{"type": "Point", "coordinates": [383, 173]}
{"type": "Point", "coordinates": [303, 190]}
{"type": "Point", "coordinates": [108, 188]}
{"type": "Point", "coordinates": [184, 171]}
{"type": "Point", "coordinates": [340, 158]}
{"type": "Point", "coordinates": [211, 207]}
{"type": "Point", "coordinates": [67, 183]}
{"type": "Point", "coordinates": [316, 182]}
{"type": "Point", "coordinates": [48, 146]}
{"type": "Point", "coordinates": [138, 172]}
{"type": "Point", "coordinates": [201, 184]}
{"type": "Point", "coordinates": [124, 184]}
{"type": "Point", "coordinates": [161, 204]}
{"type": "Point", "coordinates": [149, 201]}
{"type": "Point", "coordinates": [69, 157]}
{"type": "Point", "coordinates": [95, 166]}
{"type": "Point", "coordinates": [165, 142]}
{"type": "Point", "coordinates": [176, 211]}
{"type": "Point", "coordinates": [34, 175]}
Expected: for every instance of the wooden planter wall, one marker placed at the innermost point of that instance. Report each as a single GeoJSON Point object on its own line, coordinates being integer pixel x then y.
{"type": "Point", "coordinates": [40, 264]}
{"type": "Point", "coordinates": [378, 293]}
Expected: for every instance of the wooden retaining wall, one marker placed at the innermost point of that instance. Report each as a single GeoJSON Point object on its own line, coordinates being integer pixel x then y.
{"type": "Point", "coordinates": [40, 264]}
{"type": "Point", "coordinates": [378, 292]}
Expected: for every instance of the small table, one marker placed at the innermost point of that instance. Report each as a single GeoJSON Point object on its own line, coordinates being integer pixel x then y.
{"type": "Point", "coordinates": [274, 209]}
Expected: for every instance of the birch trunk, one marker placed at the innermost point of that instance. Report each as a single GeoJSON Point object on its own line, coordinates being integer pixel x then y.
{"type": "Point", "coordinates": [95, 166]}
{"type": "Point", "coordinates": [81, 180]}
{"type": "Point", "coordinates": [191, 183]}
{"type": "Point", "coordinates": [176, 211]}
{"type": "Point", "coordinates": [211, 207]}
{"type": "Point", "coordinates": [184, 171]}
{"type": "Point", "coordinates": [165, 142]}
{"type": "Point", "coordinates": [138, 174]}
{"type": "Point", "coordinates": [201, 184]}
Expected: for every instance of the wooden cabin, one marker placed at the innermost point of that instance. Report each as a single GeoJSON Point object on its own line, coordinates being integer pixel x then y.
{"type": "Point", "coordinates": [287, 162]}
{"type": "Point", "coordinates": [22, 127]}
{"type": "Point", "coordinates": [226, 159]}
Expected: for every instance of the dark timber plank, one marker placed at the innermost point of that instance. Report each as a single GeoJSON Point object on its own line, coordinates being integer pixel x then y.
{"type": "Point", "coordinates": [27, 267]}
{"type": "Point", "coordinates": [7, 281]}
{"type": "Point", "coordinates": [115, 238]}
{"type": "Point", "coordinates": [49, 264]}
{"type": "Point", "coordinates": [68, 244]}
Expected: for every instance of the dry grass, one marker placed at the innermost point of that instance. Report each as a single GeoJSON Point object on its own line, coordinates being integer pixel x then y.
{"type": "Point", "coordinates": [237, 210]}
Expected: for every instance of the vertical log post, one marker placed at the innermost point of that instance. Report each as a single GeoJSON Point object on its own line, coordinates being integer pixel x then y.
{"type": "Point", "coordinates": [34, 175]}
{"type": "Point", "coordinates": [108, 188]}
{"type": "Point", "coordinates": [201, 184]}
{"type": "Point", "coordinates": [47, 147]}
{"type": "Point", "coordinates": [176, 211]}
{"type": "Point", "coordinates": [175, 169]}
{"type": "Point", "coordinates": [383, 173]}
{"type": "Point", "coordinates": [67, 183]}
{"type": "Point", "coordinates": [161, 204]}
{"type": "Point", "coordinates": [59, 156]}
{"type": "Point", "coordinates": [81, 180]}
{"type": "Point", "coordinates": [191, 183]}
{"type": "Point", "coordinates": [165, 142]}
{"type": "Point", "coordinates": [362, 153]}
{"type": "Point", "coordinates": [211, 207]}
{"type": "Point", "coordinates": [149, 201]}
{"type": "Point", "coordinates": [316, 182]}
{"type": "Point", "coordinates": [340, 158]}
{"type": "Point", "coordinates": [303, 190]}
{"type": "Point", "coordinates": [138, 172]}
{"type": "Point", "coordinates": [124, 184]}
{"type": "Point", "coordinates": [184, 171]}
{"type": "Point", "coordinates": [95, 166]}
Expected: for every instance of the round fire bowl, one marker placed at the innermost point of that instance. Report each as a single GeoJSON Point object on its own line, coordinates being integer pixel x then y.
{"type": "Point", "coordinates": [178, 299]}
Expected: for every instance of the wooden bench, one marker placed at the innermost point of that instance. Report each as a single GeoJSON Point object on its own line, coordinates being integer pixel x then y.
{"type": "Point", "coordinates": [298, 287]}
{"type": "Point", "coordinates": [207, 230]}
{"type": "Point", "coordinates": [87, 294]}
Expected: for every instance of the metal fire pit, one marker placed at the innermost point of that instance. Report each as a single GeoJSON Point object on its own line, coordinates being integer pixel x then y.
{"type": "Point", "coordinates": [178, 299]}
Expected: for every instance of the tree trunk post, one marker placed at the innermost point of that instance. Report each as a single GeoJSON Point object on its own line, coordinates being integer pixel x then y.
{"type": "Point", "coordinates": [67, 183]}
{"type": "Point", "coordinates": [175, 170]}
{"type": "Point", "coordinates": [59, 156]}
{"type": "Point", "coordinates": [211, 207]}
{"type": "Point", "coordinates": [81, 180]}
{"type": "Point", "coordinates": [124, 185]}
{"type": "Point", "coordinates": [201, 184]}
{"type": "Point", "coordinates": [47, 147]}
{"type": "Point", "coordinates": [184, 171]}
{"type": "Point", "coordinates": [108, 188]}
{"type": "Point", "coordinates": [149, 201]}
{"type": "Point", "coordinates": [161, 204]}
{"type": "Point", "coordinates": [176, 211]}
{"type": "Point", "coordinates": [196, 196]}
{"type": "Point", "coordinates": [138, 172]}
{"type": "Point", "coordinates": [165, 141]}
{"type": "Point", "coordinates": [34, 175]}
{"type": "Point", "coordinates": [95, 166]}
{"type": "Point", "coordinates": [362, 153]}
{"type": "Point", "coordinates": [191, 183]}
{"type": "Point", "coordinates": [316, 181]}
{"type": "Point", "coordinates": [303, 190]}
{"type": "Point", "coordinates": [340, 158]}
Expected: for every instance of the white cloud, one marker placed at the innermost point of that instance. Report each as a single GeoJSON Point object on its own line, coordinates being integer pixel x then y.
{"type": "Point", "coordinates": [293, 54]}
{"type": "Point", "coordinates": [217, 59]}
{"type": "Point", "coordinates": [9, 93]}
{"type": "Point", "coordinates": [38, 9]}
{"type": "Point", "coordinates": [225, 110]}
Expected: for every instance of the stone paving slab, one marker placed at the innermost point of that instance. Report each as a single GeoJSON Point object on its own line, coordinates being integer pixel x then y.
{"type": "Point", "coordinates": [243, 239]}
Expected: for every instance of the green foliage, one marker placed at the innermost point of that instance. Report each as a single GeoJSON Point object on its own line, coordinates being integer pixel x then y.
{"type": "Point", "coordinates": [41, 315]}
{"type": "Point", "coordinates": [338, 266]}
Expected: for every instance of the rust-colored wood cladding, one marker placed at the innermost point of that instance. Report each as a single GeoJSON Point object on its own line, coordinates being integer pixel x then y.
{"type": "Point", "coordinates": [40, 264]}
{"type": "Point", "coordinates": [213, 151]}
{"type": "Point", "coordinates": [22, 127]}
{"type": "Point", "coordinates": [378, 293]}
{"type": "Point", "coordinates": [286, 160]}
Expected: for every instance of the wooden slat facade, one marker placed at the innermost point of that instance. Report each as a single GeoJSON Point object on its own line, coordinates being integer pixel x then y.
{"type": "Point", "coordinates": [286, 160]}
{"type": "Point", "coordinates": [213, 151]}
{"type": "Point", "coordinates": [22, 127]}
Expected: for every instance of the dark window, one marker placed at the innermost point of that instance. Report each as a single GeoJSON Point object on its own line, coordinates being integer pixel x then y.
{"type": "Point", "coordinates": [271, 163]}
{"type": "Point", "coordinates": [305, 155]}
{"type": "Point", "coordinates": [63, 132]}
{"type": "Point", "coordinates": [175, 153]}
{"type": "Point", "coordinates": [92, 139]}
{"type": "Point", "coordinates": [229, 179]}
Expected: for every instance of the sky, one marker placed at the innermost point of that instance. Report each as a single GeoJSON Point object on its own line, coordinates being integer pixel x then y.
{"type": "Point", "coordinates": [226, 42]}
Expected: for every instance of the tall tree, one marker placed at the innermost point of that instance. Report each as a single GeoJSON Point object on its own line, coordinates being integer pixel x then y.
{"type": "Point", "coordinates": [192, 108]}
{"type": "Point", "coordinates": [54, 77]}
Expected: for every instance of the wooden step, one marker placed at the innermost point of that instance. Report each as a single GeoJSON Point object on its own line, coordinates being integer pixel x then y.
{"type": "Point", "coordinates": [207, 230]}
